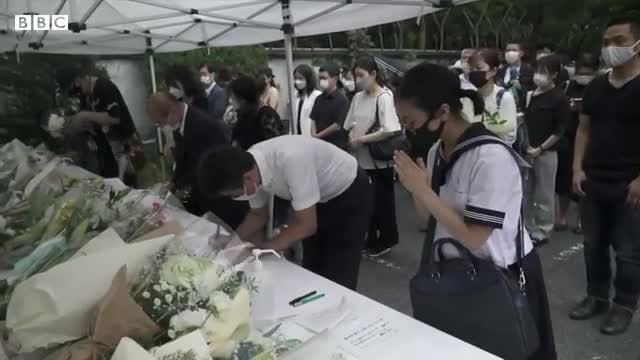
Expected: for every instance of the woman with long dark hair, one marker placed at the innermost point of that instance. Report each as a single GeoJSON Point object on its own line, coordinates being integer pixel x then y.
{"type": "Point", "coordinates": [305, 84]}
{"type": "Point", "coordinates": [372, 118]}
{"type": "Point", "coordinates": [256, 122]}
{"type": "Point", "coordinates": [184, 85]}
{"type": "Point", "coordinates": [479, 196]}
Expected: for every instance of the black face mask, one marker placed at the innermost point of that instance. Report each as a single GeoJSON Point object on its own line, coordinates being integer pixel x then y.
{"type": "Point", "coordinates": [478, 78]}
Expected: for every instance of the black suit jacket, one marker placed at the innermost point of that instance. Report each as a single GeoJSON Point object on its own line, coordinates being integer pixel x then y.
{"type": "Point", "coordinates": [200, 134]}
{"type": "Point", "coordinates": [526, 82]}
{"type": "Point", "coordinates": [217, 102]}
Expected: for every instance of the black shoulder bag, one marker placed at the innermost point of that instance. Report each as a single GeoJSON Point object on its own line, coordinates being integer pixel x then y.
{"type": "Point", "coordinates": [384, 150]}
{"type": "Point", "coordinates": [471, 298]}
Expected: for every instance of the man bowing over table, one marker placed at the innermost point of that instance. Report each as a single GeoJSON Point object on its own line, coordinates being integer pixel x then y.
{"type": "Point", "coordinates": [193, 133]}
{"type": "Point", "coordinates": [330, 195]}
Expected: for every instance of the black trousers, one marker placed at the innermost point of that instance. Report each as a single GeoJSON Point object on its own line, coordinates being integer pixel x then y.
{"type": "Point", "coordinates": [609, 222]}
{"type": "Point", "coordinates": [336, 249]}
{"type": "Point", "coordinates": [539, 305]}
{"type": "Point", "coordinates": [383, 227]}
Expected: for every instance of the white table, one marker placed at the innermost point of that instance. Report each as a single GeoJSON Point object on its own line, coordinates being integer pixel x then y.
{"type": "Point", "coordinates": [407, 338]}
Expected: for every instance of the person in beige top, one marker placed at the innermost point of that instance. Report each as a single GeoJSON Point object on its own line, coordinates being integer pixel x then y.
{"type": "Point", "coordinates": [270, 94]}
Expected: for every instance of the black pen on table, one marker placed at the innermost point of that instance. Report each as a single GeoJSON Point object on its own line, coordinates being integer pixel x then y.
{"type": "Point", "coordinates": [300, 298]}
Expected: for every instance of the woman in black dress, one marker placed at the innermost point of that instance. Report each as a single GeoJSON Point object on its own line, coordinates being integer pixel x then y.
{"type": "Point", "coordinates": [255, 122]}
{"type": "Point", "coordinates": [586, 68]}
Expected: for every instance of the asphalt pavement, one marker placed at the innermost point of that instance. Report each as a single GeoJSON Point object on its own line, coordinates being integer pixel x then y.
{"type": "Point", "coordinates": [387, 280]}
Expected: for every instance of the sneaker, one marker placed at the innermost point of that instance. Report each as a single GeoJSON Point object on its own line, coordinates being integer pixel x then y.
{"type": "Point", "coordinates": [374, 253]}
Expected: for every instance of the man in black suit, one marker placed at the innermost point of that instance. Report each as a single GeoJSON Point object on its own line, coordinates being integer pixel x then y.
{"type": "Point", "coordinates": [217, 99]}
{"type": "Point", "coordinates": [194, 133]}
{"type": "Point", "coordinates": [517, 76]}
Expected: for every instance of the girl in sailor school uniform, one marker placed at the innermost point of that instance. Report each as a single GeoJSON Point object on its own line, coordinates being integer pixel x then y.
{"type": "Point", "coordinates": [480, 198]}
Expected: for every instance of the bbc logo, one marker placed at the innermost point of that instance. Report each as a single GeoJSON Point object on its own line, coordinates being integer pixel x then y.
{"type": "Point", "coordinates": [41, 22]}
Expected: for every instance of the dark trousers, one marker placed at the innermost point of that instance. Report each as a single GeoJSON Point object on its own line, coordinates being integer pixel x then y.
{"type": "Point", "coordinates": [336, 249]}
{"type": "Point", "coordinates": [609, 222]}
{"type": "Point", "coordinates": [383, 227]}
{"type": "Point", "coordinates": [539, 305]}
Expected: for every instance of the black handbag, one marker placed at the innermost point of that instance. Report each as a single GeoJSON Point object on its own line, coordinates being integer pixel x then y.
{"type": "Point", "coordinates": [385, 149]}
{"type": "Point", "coordinates": [471, 298]}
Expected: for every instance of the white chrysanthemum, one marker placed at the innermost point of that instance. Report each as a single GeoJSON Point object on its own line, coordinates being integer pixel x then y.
{"type": "Point", "coordinates": [208, 281]}
{"type": "Point", "coordinates": [146, 294]}
{"type": "Point", "coordinates": [157, 302]}
{"type": "Point", "coordinates": [168, 298]}
{"type": "Point", "coordinates": [188, 319]}
{"type": "Point", "coordinates": [181, 270]}
{"type": "Point", "coordinates": [157, 288]}
{"type": "Point", "coordinates": [220, 301]}
{"type": "Point", "coordinates": [164, 286]}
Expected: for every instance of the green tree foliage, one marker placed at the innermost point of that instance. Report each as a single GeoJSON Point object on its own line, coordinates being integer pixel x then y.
{"type": "Point", "coordinates": [240, 59]}
{"type": "Point", "coordinates": [28, 88]}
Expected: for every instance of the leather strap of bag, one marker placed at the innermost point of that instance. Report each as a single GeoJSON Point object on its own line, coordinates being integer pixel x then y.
{"type": "Point", "coordinates": [438, 172]}
{"type": "Point", "coordinates": [375, 125]}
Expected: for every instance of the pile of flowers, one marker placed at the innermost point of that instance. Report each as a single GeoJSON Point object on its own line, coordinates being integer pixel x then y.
{"type": "Point", "coordinates": [183, 293]}
{"type": "Point", "coordinates": [46, 215]}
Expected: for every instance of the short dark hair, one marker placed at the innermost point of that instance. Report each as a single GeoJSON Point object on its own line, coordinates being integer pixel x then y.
{"type": "Point", "coordinates": [246, 88]}
{"type": "Point", "coordinates": [307, 73]}
{"type": "Point", "coordinates": [551, 64]}
{"type": "Point", "coordinates": [222, 169]}
{"type": "Point", "coordinates": [187, 78]}
{"type": "Point", "coordinates": [633, 23]}
{"type": "Point", "coordinates": [431, 86]}
{"type": "Point", "coordinates": [490, 56]}
{"type": "Point", "coordinates": [368, 63]}
{"type": "Point", "coordinates": [331, 68]}
{"type": "Point", "coordinates": [225, 73]}
{"type": "Point", "coordinates": [209, 67]}
{"type": "Point", "coordinates": [588, 60]}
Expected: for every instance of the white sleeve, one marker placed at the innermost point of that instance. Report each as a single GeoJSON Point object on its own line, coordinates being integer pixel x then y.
{"type": "Point", "coordinates": [494, 185]}
{"type": "Point", "coordinates": [349, 121]}
{"type": "Point", "coordinates": [389, 121]}
{"type": "Point", "coordinates": [509, 112]}
{"type": "Point", "coordinates": [302, 179]}
{"type": "Point", "coordinates": [260, 200]}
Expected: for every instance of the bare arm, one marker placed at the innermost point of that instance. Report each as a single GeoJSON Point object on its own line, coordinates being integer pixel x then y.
{"type": "Point", "coordinates": [375, 137]}
{"type": "Point", "coordinates": [582, 139]}
{"type": "Point", "coordinates": [334, 128]}
{"type": "Point", "coordinates": [303, 225]}
{"type": "Point", "coordinates": [255, 221]}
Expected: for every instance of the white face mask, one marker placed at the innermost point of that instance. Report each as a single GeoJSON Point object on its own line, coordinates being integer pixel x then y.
{"type": "Point", "coordinates": [247, 197]}
{"type": "Point", "coordinates": [583, 79]}
{"type": "Point", "coordinates": [300, 84]}
{"type": "Point", "coordinates": [206, 79]}
{"type": "Point", "coordinates": [323, 84]}
{"type": "Point", "coordinates": [614, 56]}
{"type": "Point", "coordinates": [350, 85]}
{"type": "Point", "coordinates": [541, 80]}
{"type": "Point", "coordinates": [362, 83]}
{"type": "Point", "coordinates": [178, 93]}
{"type": "Point", "coordinates": [512, 57]}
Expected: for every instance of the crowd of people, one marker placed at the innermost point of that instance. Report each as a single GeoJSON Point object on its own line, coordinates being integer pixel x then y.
{"type": "Point", "coordinates": [500, 140]}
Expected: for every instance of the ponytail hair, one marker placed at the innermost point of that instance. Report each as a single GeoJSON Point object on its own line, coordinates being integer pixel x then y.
{"type": "Point", "coordinates": [476, 99]}
{"type": "Point", "coordinates": [430, 86]}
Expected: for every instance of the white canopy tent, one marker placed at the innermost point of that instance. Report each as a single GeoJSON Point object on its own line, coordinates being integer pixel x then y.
{"type": "Point", "coordinates": [149, 26]}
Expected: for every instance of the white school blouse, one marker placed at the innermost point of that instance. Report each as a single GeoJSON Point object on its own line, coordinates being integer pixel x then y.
{"type": "Point", "coordinates": [305, 113]}
{"type": "Point", "coordinates": [484, 185]}
{"type": "Point", "coordinates": [362, 116]}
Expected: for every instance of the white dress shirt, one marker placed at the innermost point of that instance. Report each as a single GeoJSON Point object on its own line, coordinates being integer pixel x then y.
{"type": "Point", "coordinates": [302, 169]}
{"type": "Point", "coordinates": [210, 87]}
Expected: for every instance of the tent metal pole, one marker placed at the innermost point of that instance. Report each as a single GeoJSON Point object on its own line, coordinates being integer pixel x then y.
{"type": "Point", "coordinates": [154, 88]}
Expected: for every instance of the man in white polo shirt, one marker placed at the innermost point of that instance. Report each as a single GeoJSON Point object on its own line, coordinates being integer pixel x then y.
{"type": "Point", "coordinates": [330, 195]}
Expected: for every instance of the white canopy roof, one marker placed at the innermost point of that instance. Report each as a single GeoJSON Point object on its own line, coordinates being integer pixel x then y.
{"type": "Point", "coordinates": [133, 26]}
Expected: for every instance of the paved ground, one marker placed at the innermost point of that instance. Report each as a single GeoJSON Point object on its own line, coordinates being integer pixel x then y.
{"type": "Point", "coordinates": [387, 282]}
